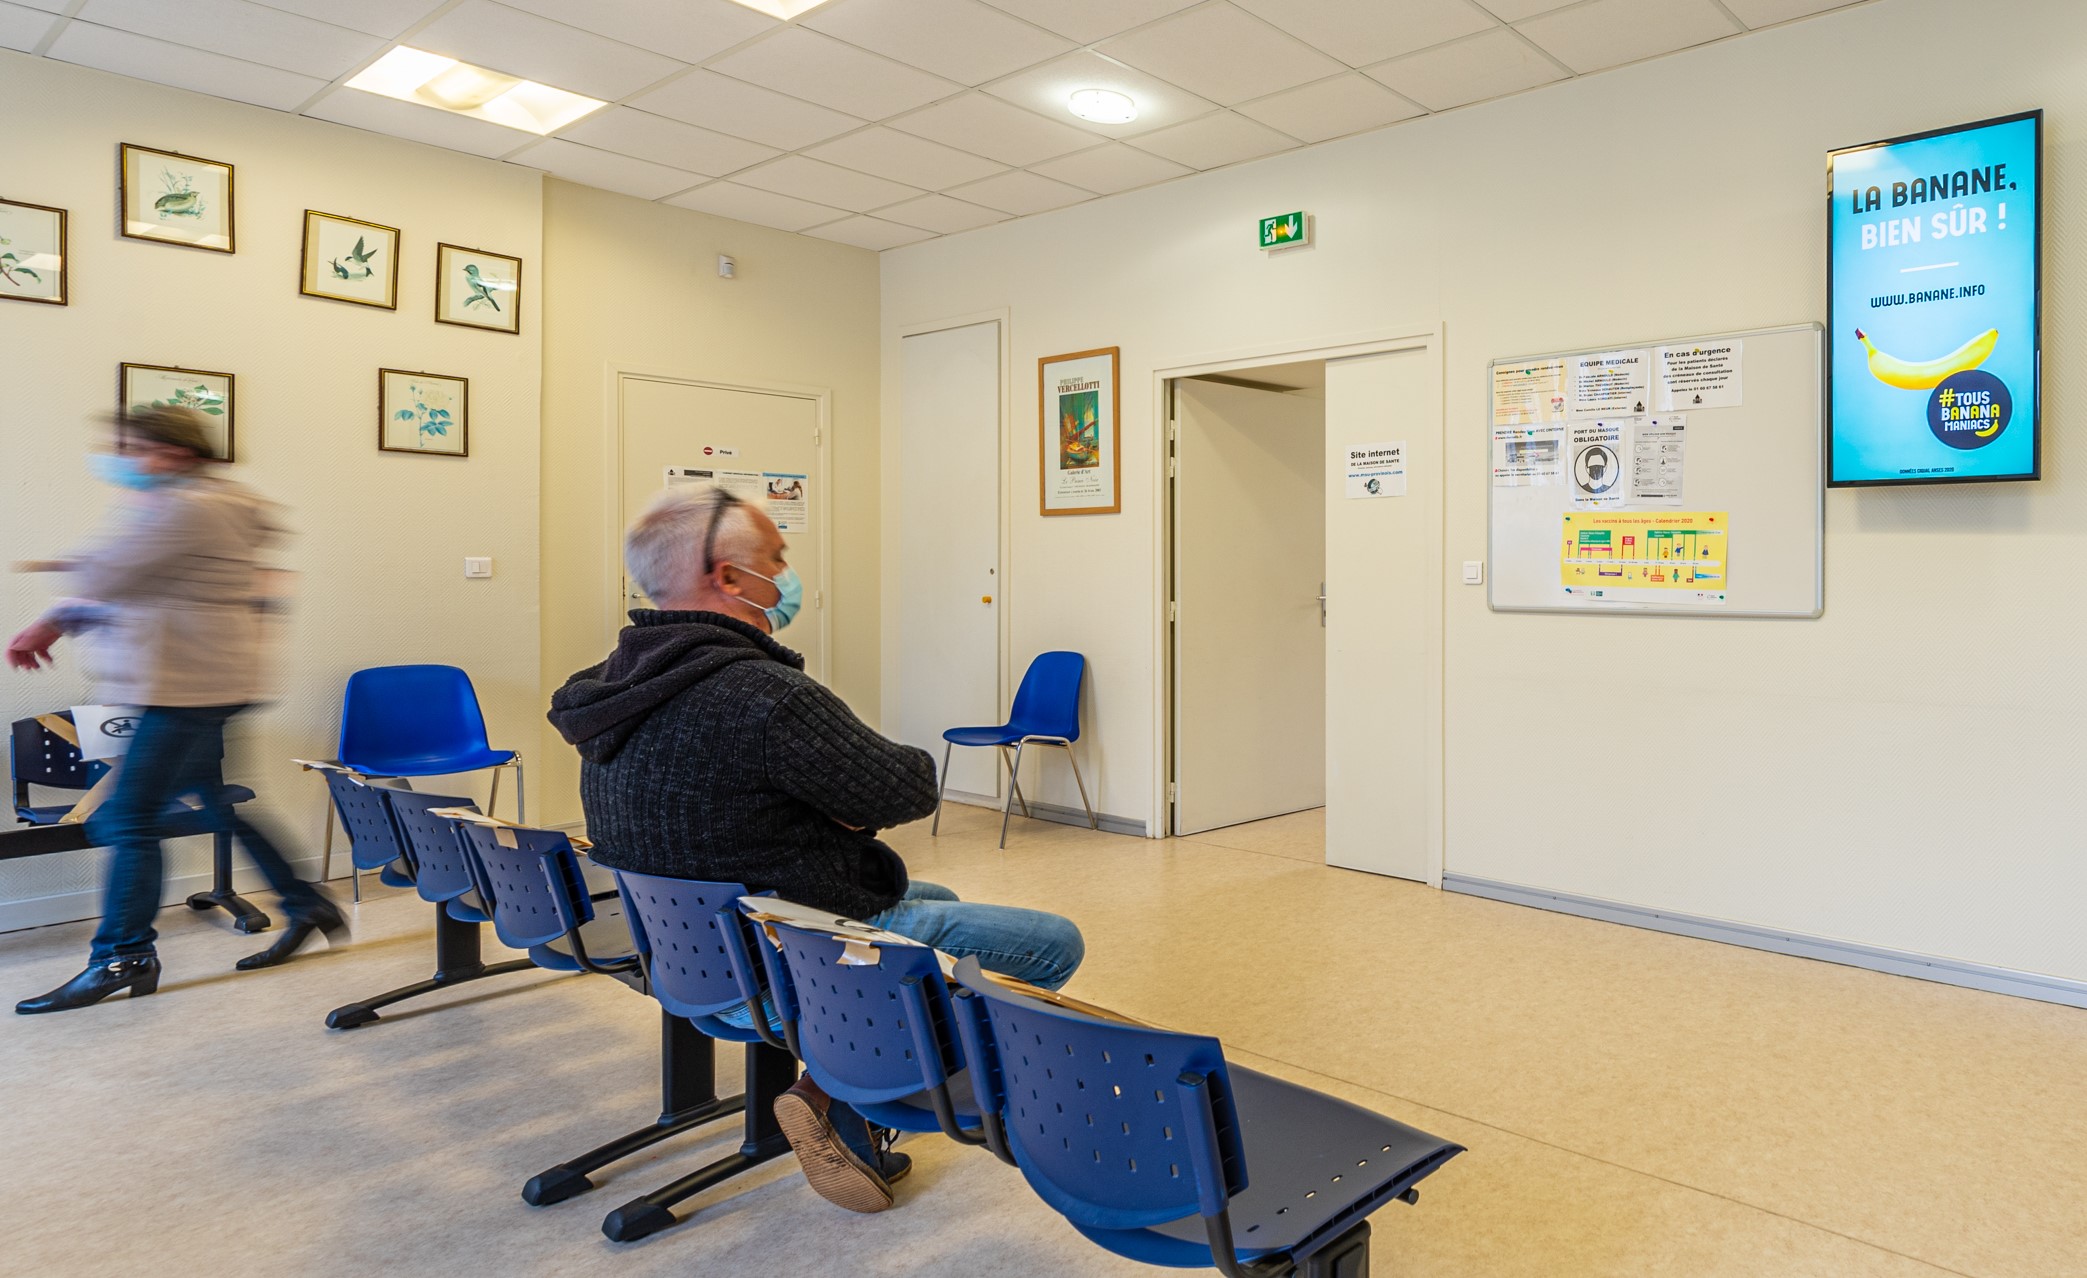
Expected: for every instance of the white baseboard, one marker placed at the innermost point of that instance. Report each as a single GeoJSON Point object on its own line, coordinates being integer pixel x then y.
{"type": "Point", "coordinates": [1056, 813]}
{"type": "Point", "coordinates": [72, 907]}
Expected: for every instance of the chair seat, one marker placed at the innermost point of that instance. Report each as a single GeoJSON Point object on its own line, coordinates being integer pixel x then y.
{"type": "Point", "coordinates": [1002, 735]}
{"type": "Point", "coordinates": [178, 813]}
{"type": "Point", "coordinates": [393, 873]}
{"type": "Point", "coordinates": [917, 1113]}
{"type": "Point", "coordinates": [1350, 1160]}
{"type": "Point", "coordinates": [429, 765]}
{"type": "Point", "coordinates": [471, 908]}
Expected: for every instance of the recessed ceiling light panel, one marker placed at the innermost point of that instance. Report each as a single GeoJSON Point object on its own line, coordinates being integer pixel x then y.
{"type": "Point", "coordinates": [414, 75]}
{"type": "Point", "coordinates": [784, 9]}
{"type": "Point", "coordinates": [1103, 106]}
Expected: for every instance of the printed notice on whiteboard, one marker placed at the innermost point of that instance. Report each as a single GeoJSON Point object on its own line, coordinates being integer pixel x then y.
{"type": "Point", "coordinates": [1377, 470]}
{"type": "Point", "coordinates": [1598, 475]}
{"type": "Point", "coordinates": [743, 484]}
{"type": "Point", "coordinates": [1658, 449]}
{"type": "Point", "coordinates": [1528, 456]}
{"type": "Point", "coordinates": [787, 499]}
{"type": "Point", "coordinates": [1702, 376]}
{"type": "Point", "coordinates": [1611, 384]}
{"type": "Point", "coordinates": [1525, 393]}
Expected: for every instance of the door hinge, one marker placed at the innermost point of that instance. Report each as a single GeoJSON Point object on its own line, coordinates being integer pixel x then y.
{"type": "Point", "coordinates": [1173, 793]}
{"type": "Point", "coordinates": [1173, 611]}
{"type": "Point", "coordinates": [1173, 468]}
{"type": "Point", "coordinates": [817, 436]}
{"type": "Point", "coordinates": [1173, 429]}
{"type": "Point", "coordinates": [818, 599]}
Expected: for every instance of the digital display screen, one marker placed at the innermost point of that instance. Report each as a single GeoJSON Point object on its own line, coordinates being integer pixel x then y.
{"type": "Point", "coordinates": [1934, 324]}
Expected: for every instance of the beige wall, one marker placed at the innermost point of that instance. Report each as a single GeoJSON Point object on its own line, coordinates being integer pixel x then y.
{"type": "Point", "coordinates": [632, 284]}
{"type": "Point", "coordinates": [381, 536]}
{"type": "Point", "coordinates": [1897, 773]}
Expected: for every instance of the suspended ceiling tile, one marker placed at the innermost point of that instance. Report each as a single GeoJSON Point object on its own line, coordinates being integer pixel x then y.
{"type": "Point", "coordinates": [904, 158]}
{"type": "Point", "coordinates": [745, 110]}
{"type": "Point", "coordinates": [870, 233]}
{"type": "Point", "coordinates": [1360, 32]}
{"type": "Point", "coordinates": [803, 178]}
{"type": "Point", "coordinates": [1609, 33]}
{"type": "Point", "coordinates": [1215, 141]}
{"type": "Point", "coordinates": [1766, 13]}
{"type": "Point", "coordinates": [762, 208]}
{"type": "Point", "coordinates": [961, 40]}
{"type": "Point", "coordinates": [1222, 53]}
{"type": "Point", "coordinates": [417, 123]}
{"type": "Point", "coordinates": [385, 18]}
{"type": "Point", "coordinates": [503, 39]}
{"type": "Point", "coordinates": [1516, 10]}
{"type": "Point", "coordinates": [690, 30]}
{"type": "Point", "coordinates": [1110, 168]}
{"type": "Point", "coordinates": [1331, 108]}
{"type": "Point", "coordinates": [143, 58]}
{"type": "Point", "coordinates": [992, 128]}
{"type": "Point", "coordinates": [1490, 64]}
{"type": "Point", "coordinates": [605, 169]}
{"type": "Point", "coordinates": [1048, 89]}
{"type": "Point", "coordinates": [942, 214]}
{"type": "Point", "coordinates": [631, 132]}
{"type": "Point", "coordinates": [1021, 193]}
{"type": "Point", "coordinates": [237, 29]}
{"type": "Point", "coordinates": [1086, 21]}
{"type": "Point", "coordinates": [834, 74]}
{"type": "Point", "coordinates": [23, 28]}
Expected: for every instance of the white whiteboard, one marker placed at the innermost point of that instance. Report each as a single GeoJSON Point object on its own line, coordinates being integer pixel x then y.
{"type": "Point", "coordinates": [1761, 461]}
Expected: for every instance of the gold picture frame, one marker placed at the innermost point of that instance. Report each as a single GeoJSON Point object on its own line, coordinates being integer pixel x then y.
{"type": "Point", "coordinates": [478, 288]}
{"type": "Point", "coordinates": [427, 414]}
{"type": "Point", "coordinates": [1079, 414]}
{"type": "Point", "coordinates": [332, 266]}
{"type": "Point", "coordinates": [166, 197]}
{"type": "Point", "coordinates": [210, 395]}
{"type": "Point", "coordinates": [30, 236]}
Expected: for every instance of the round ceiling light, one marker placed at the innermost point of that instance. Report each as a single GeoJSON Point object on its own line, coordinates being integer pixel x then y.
{"type": "Point", "coordinates": [1103, 106]}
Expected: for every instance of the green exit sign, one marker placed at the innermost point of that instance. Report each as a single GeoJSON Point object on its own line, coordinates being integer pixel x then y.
{"type": "Point", "coordinates": [1284, 230]}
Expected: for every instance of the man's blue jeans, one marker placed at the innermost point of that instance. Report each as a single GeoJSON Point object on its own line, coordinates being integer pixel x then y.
{"type": "Point", "coordinates": [1029, 945]}
{"type": "Point", "coordinates": [178, 753]}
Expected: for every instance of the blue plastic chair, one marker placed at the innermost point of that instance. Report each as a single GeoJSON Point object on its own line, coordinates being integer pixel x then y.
{"type": "Point", "coordinates": [417, 721]}
{"type": "Point", "coordinates": [533, 887]}
{"type": "Point", "coordinates": [879, 1036]}
{"type": "Point", "coordinates": [1046, 712]}
{"type": "Point", "coordinates": [1145, 1140]}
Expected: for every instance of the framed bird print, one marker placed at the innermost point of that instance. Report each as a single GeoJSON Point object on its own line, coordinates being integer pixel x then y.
{"type": "Point", "coordinates": [32, 253]}
{"type": "Point", "coordinates": [1080, 459]}
{"type": "Point", "coordinates": [143, 386]}
{"type": "Point", "coordinates": [176, 199]}
{"type": "Point", "coordinates": [424, 413]}
{"type": "Point", "coordinates": [478, 289]}
{"type": "Point", "coordinates": [350, 260]}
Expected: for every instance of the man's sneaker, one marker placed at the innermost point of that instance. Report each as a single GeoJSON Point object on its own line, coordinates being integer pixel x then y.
{"type": "Point", "coordinates": [834, 1171]}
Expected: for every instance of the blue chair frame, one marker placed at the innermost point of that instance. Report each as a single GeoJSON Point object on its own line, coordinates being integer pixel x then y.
{"type": "Point", "coordinates": [1142, 1138]}
{"type": "Point", "coordinates": [1046, 712]}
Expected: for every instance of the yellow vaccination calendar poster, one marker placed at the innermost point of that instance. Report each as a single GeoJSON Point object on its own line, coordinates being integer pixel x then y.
{"type": "Point", "coordinates": [1644, 550]}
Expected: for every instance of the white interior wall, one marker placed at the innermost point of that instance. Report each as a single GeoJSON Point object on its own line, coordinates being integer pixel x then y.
{"type": "Point", "coordinates": [1895, 773]}
{"type": "Point", "coordinates": [380, 537]}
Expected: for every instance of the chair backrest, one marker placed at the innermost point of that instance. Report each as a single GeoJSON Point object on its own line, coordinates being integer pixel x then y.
{"type": "Point", "coordinates": [392, 712]}
{"type": "Point", "coordinates": [1048, 702]}
{"type": "Point", "coordinates": [441, 865]}
{"type": "Point", "coordinates": [373, 837]}
{"type": "Point", "coordinates": [867, 1032]}
{"type": "Point", "coordinates": [679, 926]}
{"type": "Point", "coordinates": [531, 881]}
{"type": "Point", "coordinates": [1116, 1126]}
{"type": "Point", "coordinates": [39, 756]}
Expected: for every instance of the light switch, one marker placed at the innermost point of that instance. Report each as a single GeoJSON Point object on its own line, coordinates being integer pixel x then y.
{"type": "Point", "coordinates": [1474, 572]}
{"type": "Point", "coordinates": [478, 567]}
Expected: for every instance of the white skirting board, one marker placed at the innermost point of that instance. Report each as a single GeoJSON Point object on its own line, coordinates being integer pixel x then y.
{"type": "Point", "coordinates": [71, 907]}
{"type": "Point", "coordinates": [1926, 967]}
{"type": "Point", "coordinates": [1054, 812]}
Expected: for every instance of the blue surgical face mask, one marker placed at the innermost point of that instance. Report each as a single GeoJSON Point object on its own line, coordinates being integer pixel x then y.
{"type": "Point", "coordinates": [121, 470]}
{"type": "Point", "coordinates": [785, 608]}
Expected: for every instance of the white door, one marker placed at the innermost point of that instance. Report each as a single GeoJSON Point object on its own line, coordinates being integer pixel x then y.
{"type": "Point", "coordinates": [670, 423]}
{"type": "Point", "coordinates": [948, 561]}
{"type": "Point", "coordinates": [1383, 623]}
{"type": "Point", "coordinates": [1249, 650]}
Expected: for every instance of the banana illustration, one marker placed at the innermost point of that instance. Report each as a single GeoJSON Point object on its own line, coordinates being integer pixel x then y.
{"type": "Point", "coordinates": [1893, 371]}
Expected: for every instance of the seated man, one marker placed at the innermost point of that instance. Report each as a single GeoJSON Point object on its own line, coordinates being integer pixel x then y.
{"type": "Point", "coordinates": [707, 753]}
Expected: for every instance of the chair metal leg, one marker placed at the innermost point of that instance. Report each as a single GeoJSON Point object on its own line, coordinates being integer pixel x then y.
{"type": "Point", "coordinates": [942, 789]}
{"type": "Point", "coordinates": [1347, 1256]}
{"type": "Point", "coordinates": [457, 959]}
{"type": "Point", "coordinates": [1014, 770]}
{"type": "Point", "coordinates": [245, 915]}
{"type": "Point", "coordinates": [326, 840]}
{"type": "Point", "coordinates": [1093, 822]}
{"type": "Point", "coordinates": [521, 793]}
{"type": "Point", "coordinates": [769, 1074]}
{"type": "Point", "coordinates": [493, 799]}
{"type": "Point", "coordinates": [1014, 780]}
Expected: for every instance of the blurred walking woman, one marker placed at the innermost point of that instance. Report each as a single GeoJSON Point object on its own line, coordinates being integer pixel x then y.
{"type": "Point", "coordinates": [168, 600]}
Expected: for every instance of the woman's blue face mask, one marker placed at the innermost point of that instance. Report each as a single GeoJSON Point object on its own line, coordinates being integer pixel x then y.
{"type": "Point", "coordinates": [791, 591]}
{"type": "Point", "coordinates": [122, 470]}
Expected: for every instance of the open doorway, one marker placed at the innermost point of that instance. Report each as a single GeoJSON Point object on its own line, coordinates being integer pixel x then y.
{"type": "Point", "coordinates": [1247, 591]}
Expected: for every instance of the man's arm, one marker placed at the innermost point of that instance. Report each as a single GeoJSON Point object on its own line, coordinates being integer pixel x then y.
{"type": "Point", "coordinates": [819, 752]}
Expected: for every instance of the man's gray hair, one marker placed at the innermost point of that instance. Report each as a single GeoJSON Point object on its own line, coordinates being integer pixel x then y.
{"type": "Point", "coordinates": [663, 550]}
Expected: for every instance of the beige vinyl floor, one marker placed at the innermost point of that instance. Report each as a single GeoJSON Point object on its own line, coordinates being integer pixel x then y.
{"type": "Point", "coordinates": [1634, 1103]}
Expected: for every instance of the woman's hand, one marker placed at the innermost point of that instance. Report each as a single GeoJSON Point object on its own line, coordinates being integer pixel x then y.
{"type": "Point", "coordinates": [31, 649]}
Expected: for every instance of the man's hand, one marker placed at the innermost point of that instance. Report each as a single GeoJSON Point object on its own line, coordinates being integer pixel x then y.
{"type": "Point", "coordinates": [31, 649]}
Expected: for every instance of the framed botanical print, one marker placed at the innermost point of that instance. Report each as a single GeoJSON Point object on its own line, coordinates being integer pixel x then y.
{"type": "Point", "coordinates": [32, 253]}
{"type": "Point", "coordinates": [1081, 459]}
{"type": "Point", "coordinates": [176, 199]}
{"type": "Point", "coordinates": [350, 260]}
{"type": "Point", "coordinates": [141, 386]}
{"type": "Point", "coordinates": [478, 289]}
{"type": "Point", "coordinates": [426, 413]}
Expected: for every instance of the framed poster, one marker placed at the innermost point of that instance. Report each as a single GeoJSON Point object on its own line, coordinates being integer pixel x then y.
{"type": "Point", "coordinates": [1934, 306]}
{"type": "Point", "coordinates": [1082, 472]}
{"type": "Point", "coordinates": [32, 253]}
{"type": "Point", "coordinates": [349, 260]}
{"type": "Point", "coordinates": [424, 413]}
{"type": "Point", "coordinates": [141, 386]}
{"type": "Point", "coordinates": [176, 199]}
{"type": "Point", "coordinates": [478, 289]}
